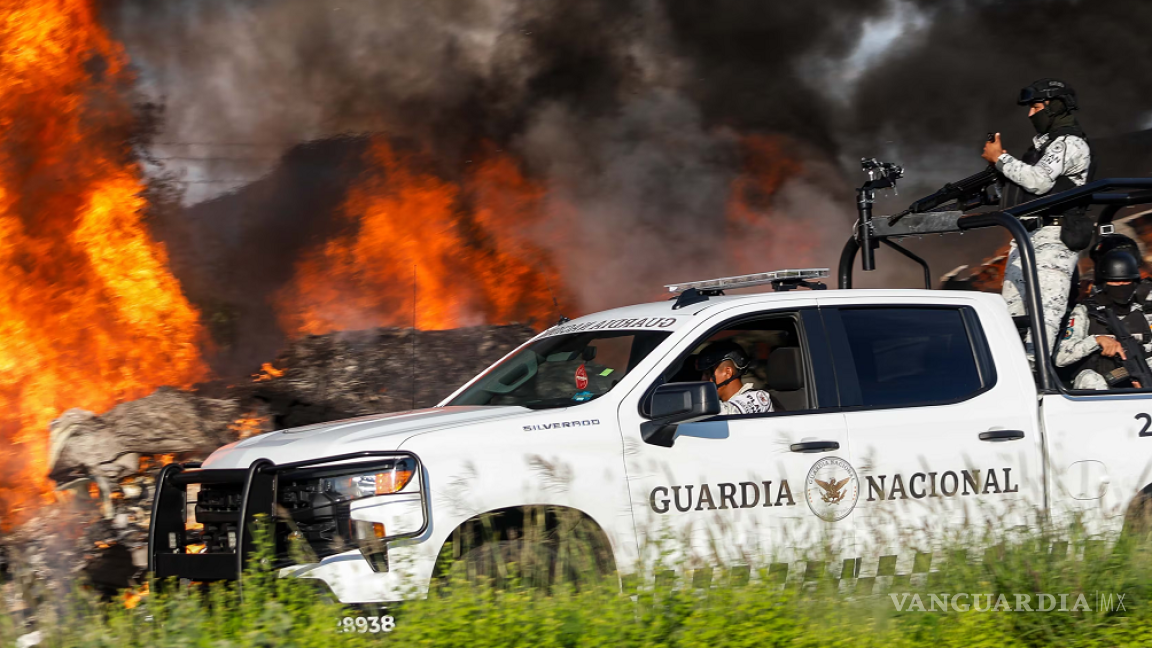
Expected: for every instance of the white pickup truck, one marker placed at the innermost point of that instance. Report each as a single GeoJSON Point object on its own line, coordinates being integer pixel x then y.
{"type": "Point", "coordinates": [893, 409]}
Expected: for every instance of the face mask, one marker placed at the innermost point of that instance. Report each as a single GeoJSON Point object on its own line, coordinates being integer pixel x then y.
{"type": "Point", "coordinates": [1120, 294]}
{"type": "Point", "coordinates": [1042, 120]}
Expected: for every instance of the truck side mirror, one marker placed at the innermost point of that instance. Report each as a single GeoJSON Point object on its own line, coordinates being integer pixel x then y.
{"type": "Point", "coordinates": [677, 403]}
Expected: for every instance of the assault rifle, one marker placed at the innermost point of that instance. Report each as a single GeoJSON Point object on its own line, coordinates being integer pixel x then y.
{"type": "Point", "coordinates": [1134, 367]}
{"type": "Point", "coordinates": [974, 191]}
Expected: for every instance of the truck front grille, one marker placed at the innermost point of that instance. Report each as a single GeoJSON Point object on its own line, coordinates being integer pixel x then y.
{"type": "Point", "coordinates": [317, 517]}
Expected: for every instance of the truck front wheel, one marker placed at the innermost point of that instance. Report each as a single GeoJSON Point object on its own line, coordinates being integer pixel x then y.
{"type": "Point", "coordinates": [514, 562]}
{"type": "Point", "coordinates": [529, 546]}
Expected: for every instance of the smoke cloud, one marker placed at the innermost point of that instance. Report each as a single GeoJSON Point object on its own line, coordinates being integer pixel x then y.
{"type": "Point", "coordinates": [637, 115]}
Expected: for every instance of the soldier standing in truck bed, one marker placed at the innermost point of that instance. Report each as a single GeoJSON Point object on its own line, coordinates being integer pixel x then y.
{"type": "Point", "coordinates": [1059, 159]}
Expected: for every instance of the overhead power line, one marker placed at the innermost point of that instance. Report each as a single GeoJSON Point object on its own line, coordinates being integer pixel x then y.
{"type": "Point", "coordinates": [214, 158]}
{"type": "Point", "coordinates": [250, 144]}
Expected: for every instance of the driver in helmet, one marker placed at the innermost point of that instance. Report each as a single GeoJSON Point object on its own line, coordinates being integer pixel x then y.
{"type": "Point", "coordinates": [725, 363]}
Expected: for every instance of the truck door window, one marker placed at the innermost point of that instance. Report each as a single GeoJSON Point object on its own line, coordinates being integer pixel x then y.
{"type": "Point", "coordinates": [915, 356]}
{"type": "Point", "coordinates": [778, 362]}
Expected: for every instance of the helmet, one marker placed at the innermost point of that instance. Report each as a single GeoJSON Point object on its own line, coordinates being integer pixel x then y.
{"type": "Point", "coordinates": [718, 352]}
{"type": "Point", "coordinates": [1046, 90]}
{"type": "Point", "coordinates": [1114, 241]}
{"type": "Point", "coordinates": [1118, 265]}
{"type": "Point", "coordinates": [1110, 242]}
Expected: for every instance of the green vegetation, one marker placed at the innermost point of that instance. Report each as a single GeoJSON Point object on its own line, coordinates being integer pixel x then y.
{"type": "Point", "coordinates": [704, 607]}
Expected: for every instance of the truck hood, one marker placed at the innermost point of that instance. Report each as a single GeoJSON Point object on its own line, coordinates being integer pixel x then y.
{"type": "Point", "coordinates": [376, 432]}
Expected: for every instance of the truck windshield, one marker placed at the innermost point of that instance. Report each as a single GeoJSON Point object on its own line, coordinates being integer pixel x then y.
{"type": "Point", "coordinates": [562, 370]}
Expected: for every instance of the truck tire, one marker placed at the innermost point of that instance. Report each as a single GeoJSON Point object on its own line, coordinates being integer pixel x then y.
{"type": "Point", "coordinates": [516, 562]}
{"type": "Point", "coordinates": [506, 562]}
{"type": "Point", "coordinates": [533, 546]}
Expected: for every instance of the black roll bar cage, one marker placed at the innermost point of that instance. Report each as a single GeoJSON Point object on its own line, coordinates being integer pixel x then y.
{"type": "Point", "coordinates": [1113, 193]}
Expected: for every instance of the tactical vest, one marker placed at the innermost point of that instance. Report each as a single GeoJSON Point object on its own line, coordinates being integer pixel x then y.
{"type": "Point", "coordinates": [1131, 316]}
{"type": "Point", "coordinates": [1077, 227]}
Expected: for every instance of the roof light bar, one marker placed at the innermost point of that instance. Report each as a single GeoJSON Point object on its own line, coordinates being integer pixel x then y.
{"type": "Point", "coordinates": [749, 280]}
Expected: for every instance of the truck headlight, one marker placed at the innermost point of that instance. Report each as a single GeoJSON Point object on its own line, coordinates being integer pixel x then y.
{"type": "Point", "coordinates": [322, 502]}
{"type": "Point", "coordinates": [383, 481]}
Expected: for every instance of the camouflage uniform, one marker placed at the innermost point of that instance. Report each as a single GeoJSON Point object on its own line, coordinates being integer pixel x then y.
{"type": "Point", "coordinates": [1054, 266]}
{"type": "Point", "coordinates": [1079, 344]}
{"type": "Point", "coordinates": [1067, 155]}
{"type": "Point", "coordinates": [747, 401]}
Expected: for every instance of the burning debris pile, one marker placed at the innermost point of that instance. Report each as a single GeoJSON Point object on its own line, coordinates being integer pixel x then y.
{"type": "Point", "coordinates": [109, 447]}
{"type": "Point", "coordinates": [341, 375]}
{"type": "Point", "coordinates": [106, 464]}
{"type": "Point", "coordinates": [90, 314]}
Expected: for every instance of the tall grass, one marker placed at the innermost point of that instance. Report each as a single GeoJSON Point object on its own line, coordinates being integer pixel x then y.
{"type": "Point", "coordinates": [721, 605]}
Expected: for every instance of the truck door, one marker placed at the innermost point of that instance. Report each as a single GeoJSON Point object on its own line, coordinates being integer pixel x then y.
{"type": "Point", "coordinates": [939, 437]}
{"type": "Point", "coordinates": [775, 486]}
{"type": "Point", "coordinates": [1100, 450]}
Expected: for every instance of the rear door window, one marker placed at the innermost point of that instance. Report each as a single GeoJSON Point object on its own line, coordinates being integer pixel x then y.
{"type": "Point", "coordinates": [904, 357]}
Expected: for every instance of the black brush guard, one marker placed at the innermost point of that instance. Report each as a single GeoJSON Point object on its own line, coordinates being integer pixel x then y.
{"type": "Point", "coordinates": [1112, 193]}
{"type": "Point", "coordinates": [258, 486]}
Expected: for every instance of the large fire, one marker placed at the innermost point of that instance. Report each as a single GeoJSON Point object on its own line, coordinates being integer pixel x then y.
{"type": "Point", "coordinates": [91, 316]}
{"type": "Point", "coordinates": [421, 250]}
{"type": "Point", "coordinates": [89, 313]}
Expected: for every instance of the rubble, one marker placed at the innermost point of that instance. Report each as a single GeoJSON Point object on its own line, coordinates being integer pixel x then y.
{"type": "Point", "coordinates": [341, 375]}
{"type": "Point", "coordinates": [106, 465]}
{"type": "Point", "coordinates": [168, 421]}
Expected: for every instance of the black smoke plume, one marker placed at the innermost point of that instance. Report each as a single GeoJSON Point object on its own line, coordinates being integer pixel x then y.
{"type": "Point", "coordinates": [632, 112]}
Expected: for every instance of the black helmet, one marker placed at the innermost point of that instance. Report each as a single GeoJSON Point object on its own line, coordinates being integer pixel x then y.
{"type": "Point", "coordinates": [1114, 241]}
{"type": "Point", "coordinates": [1110, 242]}
{"type": "Point", "coordinates": [718, 352]}
{"type": "Point", "coordinates": [1118, 265]}
{"type": "Point", "coordinates": [1046, 90]}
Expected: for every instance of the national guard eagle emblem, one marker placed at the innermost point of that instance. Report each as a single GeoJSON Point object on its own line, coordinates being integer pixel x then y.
{"type": "Point", "coordinates": [833, 491]}
{"type": "Point", "coordinates": [832, 488]}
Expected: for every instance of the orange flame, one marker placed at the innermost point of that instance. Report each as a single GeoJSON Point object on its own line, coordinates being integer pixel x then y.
{"type": "Point", "coordinates": [462, 246]}
{"type": "Point", "coordinates": [758, 232]}
{"type": "Point", "coordinates": [766, 166]}
{"type": "Point", "coordinates": [250, 424]}
{"type": "Point", "coordinates": [160, 460]}
{"type": "Point", "coordinates": [267, 372]}
{"type": "Point", "coordinates": [89, 313]}
{"type": "Point", "coordinates": [132, 597]}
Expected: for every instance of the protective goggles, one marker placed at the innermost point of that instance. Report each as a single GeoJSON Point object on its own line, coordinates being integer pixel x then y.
{"type": "Point", "coordinates": [708, 366]}
{"type": "Point", "coordinates": [707, 373]}
{"type": "Point", "coordinates": [1031, 95]}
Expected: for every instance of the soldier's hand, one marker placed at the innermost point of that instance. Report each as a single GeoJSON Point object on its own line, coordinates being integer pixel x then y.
{"type": "Point", "coordinates": [993, 150]}
{"type": "Point", "coordinates": [1109, 347]}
